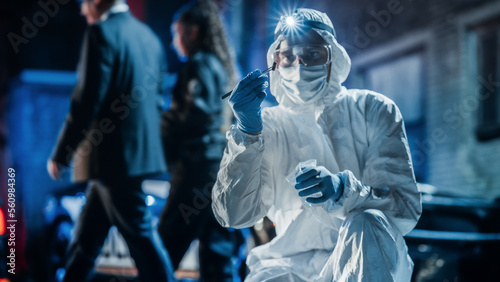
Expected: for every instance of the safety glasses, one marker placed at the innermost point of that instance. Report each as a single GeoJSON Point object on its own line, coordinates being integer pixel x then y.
{"type": "Point", "coordinates": [308, 55]}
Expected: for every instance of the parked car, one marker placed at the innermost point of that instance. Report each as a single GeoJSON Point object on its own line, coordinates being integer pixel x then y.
{"type": "Point", "coordinates": [456, 238]}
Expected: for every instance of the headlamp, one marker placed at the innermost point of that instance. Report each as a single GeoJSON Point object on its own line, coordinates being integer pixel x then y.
{"type": "Point", "coordinates": [290, 21]}
{"type": "Point", "coordinates": [293, 24]}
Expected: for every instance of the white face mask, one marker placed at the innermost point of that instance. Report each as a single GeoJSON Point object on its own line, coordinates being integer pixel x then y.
{"type": "Point", "coordinates": [304, 84]}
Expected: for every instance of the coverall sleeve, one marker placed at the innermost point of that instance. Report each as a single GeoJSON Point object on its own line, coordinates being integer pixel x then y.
{"type": "Point", "coordinates": [240, 197]}
{"type": "Point", "coordinates": [388, 182]}
{"type": "Point", "coordinates": [94, 76]}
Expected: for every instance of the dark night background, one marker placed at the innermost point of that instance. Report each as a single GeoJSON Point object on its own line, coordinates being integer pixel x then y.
{"type": "Point", "coordinates": [439, 60]}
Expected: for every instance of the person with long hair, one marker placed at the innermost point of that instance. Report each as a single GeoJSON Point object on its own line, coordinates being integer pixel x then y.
{"type": "Point", "coordinates": [194, 140]}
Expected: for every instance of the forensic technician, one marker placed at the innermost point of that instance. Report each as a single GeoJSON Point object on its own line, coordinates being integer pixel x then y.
{"type": "Point", "coordinates": [329, 166]}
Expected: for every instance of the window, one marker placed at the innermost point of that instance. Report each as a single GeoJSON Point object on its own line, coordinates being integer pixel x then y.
{"type": "Point", "coordinates": [487, 38]}
{"type": "Point", "coordinates": [400, 80]}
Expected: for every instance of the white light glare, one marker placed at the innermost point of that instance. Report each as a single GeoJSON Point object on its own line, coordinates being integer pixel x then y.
{"type": "Point", "coordinates": [290, 21]}
{"type": "Point", "coordinates": [150, 200]}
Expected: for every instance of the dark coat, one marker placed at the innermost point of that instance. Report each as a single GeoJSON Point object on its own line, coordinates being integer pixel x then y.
{"type": "Point", "coordinates": [193, 127]}
{"type": "Point", "coordinates": [116, 105]}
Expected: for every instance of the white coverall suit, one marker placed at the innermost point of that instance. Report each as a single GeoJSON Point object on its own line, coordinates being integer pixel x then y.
{"type": "Point", "coordinates": [356, 133]}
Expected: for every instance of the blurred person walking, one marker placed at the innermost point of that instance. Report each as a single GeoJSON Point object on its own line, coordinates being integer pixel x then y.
{"type": "Point", "coordinates": [112, 133]}
{"type": "Point", "coordinates": [193, 134]}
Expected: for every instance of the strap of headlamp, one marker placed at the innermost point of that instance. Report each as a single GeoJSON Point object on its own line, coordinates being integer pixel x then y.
{"type": "Point", "coordinates": [319, 25]}
{"type": "Point", "coordinates": [305, 25]}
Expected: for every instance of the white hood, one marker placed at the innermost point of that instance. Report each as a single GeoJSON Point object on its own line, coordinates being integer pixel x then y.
{"type": "Point", "coordinates": [341, 63]}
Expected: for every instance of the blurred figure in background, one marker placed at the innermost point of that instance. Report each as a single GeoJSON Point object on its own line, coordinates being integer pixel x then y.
{"type": "Point", "coordinates": [114, 128]}
{"type": "Point", "coordinates": [194, 141]}
{"type": "Point", "coordinates": [330, 166]}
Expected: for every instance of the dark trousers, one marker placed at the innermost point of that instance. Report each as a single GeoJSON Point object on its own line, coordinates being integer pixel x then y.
{"type": "Point", "coordinates": [188, 215]}
{"type": "Point", "coordinates": [120, 203]}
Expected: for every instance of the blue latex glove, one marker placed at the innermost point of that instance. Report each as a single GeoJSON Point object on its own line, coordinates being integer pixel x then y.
{"type": "Point", "coordinates": [321, 180]}
{"type": "Point", "coordinates": [246, 101]}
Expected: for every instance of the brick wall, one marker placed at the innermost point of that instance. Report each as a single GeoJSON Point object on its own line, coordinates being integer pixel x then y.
{"type": "Point", "coordinates": [457, 162]}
